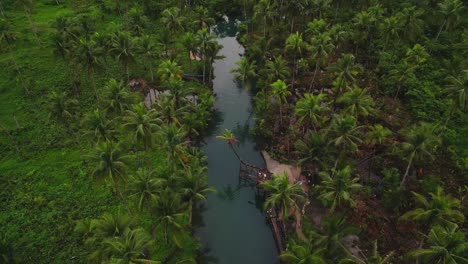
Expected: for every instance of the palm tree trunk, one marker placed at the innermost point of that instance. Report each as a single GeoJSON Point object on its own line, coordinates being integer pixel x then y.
{"type": "Point", "coordinates": [313, 78]}
{"type": "Point", "coordinates": [122, 196]}
{"type": "Point", "coordinates": [25, 87]}
{"type": "Point", "coordinates": [13, 140]}
{"type": "Point", "coordinates": [294, 72]}
{"type": "Point", "coordinates": [127, 72]}
{"type": "Point", "coordinates": [397, 92]}
{"type": "Point", "coordinates": [441, 28]}
{"type": "Point", "coordinates": [281, 116]}
{"type": "Point", "coordinates": [407, 169]}
{"type": "Point", "coordinates": [190, 212]}
{"type": "Point", "coordinates": [151, 71]}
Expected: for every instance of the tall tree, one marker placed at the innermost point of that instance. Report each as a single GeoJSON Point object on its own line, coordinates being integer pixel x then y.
{"type": "Point", "coordinates": [357, 102]}
{"type": "Point", "coordinates": [124, 50]}
{"type": "Point", "coordinates": [441, 209]}
{"type": "Point", "coordinates": [420, 142]}
{"type": "Point", "coordinates": [276, 69]}
{"type": "Point", "coordinates": [194, 183]}
{"type": "Point", "coordinates": [173, 141]}
{"type": "Point", "coordinates": [142, 123]}
{"type": "Point", "coordinates": [283, 195]}
{"type": "Point", "coordinates": [346, 71]}
{"type": "Point", "coordinates": [321, 47]}
{"type": "Point", "coordinates": [458, 88]}
{"type": "Point", "coordinates": [111, 162]}
{"type": "Point", "coordinates": [450, 9]}
{"type": "Point", "coordinates": [280, 91]}
{"type": "Point", "coordinates": [167, 210]}
{"type": "Point", "coordinates": [311, 110]}
{"type": "Point", "coordinates": [446, 245]}
{"type": "Point", "coordinates": [245, 70]}
{"type": "Point", "coordinates": [344, 134]}
{"type": "Point", "coordinates": [145, 187]}
{"type": "Point", "coordinates": [296, 45]}
{"type": "Point", "coordinates": [336, 190]}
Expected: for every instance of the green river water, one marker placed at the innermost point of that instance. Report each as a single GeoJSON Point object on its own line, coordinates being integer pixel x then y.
{"type": "Point", "coordinates": [231, 224]}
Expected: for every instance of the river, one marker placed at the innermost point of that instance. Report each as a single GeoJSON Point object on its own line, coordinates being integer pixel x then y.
{"type": "Point", "coordinates": [231, 224]}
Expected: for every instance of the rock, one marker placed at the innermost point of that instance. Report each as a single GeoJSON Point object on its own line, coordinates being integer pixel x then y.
{"type": "Point", "coordinates": [352, 242]}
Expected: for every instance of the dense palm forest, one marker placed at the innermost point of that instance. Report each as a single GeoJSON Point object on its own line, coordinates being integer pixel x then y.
{"type": "Point", "coordinates": [370, 99]}
{"type": "Point", "coordinates": [103, 105]}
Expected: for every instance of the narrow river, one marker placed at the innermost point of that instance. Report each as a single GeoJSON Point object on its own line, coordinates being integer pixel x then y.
{"type": "Point", "coordinates": [232, 225]}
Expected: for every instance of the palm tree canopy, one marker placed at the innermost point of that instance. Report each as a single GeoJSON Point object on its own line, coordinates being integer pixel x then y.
{"type": "Point", "coordinates": [337, 190]}
{"type": "Point", "coordinates": [245, 70]}
{"type": "Point", "coordinates": [357, 102]}
{"type": "Point", "coordinates": [447, 244]}
{"type": "Point", "coordinates": [283, 195]}
{"type": "Point", "coordinates": [311, 108]}
{"type": "Point", "coordinates": [110, 161]}
{"type": "Point", "coordinates": [440, 209]}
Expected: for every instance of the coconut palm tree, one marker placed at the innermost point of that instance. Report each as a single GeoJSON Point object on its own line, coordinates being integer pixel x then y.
{"type": "Point", "coordinates": [7, 37]}
{"type": "Point", "coordinates": [375, 258]}
{"type": "Point", "coordinates": [178, 91]}
{"type": "Point", "coordinates": [336, 190]}
{"type": "Point", "coordinates": [296, 45]}
{"type": "Point", "coordinates": [450, 9]}
{"type": "Point", "coordinates": [169, 70]}
{"type": "Point", "coordinates": [283, 195]}
{"type": "Point", "coordinates": [148, 50]}
{"type": "Point", "coordinates": [245, 70]}
{"type": "Point", "coordinates": [263, 11]}
{"type": "Point", "coordinates": [95, 231]}
{"type": "Point", "coordinates": [321, 46]}
{"type": "Point", "coordinates": [167, 210]}
{"type": "Point", "coordinates": [28, 7]}
{"type": "Point", "coordinates": [390, 28]}
{"type": "Point", "coordinates": [172, 18]}
{"type": "Point", "coordinates": [413, 22]}
{"type": "Point", "coordinates": [211, 55]}
{"type": "Point", "coordinates": [419, 143]}
{"type": "Point", "coordinates": [131, 247]}
{"type": "Point", "coordinates": [447, 244]}
{"type": "Point", "coordinates": [173, 141]}
{"type": "Point", "coordinates": [117, 97]}
{"type": "Point", "coordinates": [231, 139]}
{"type": "Point", "coordinates": [61, 107]}
{"type": "Point", "coordinates": [145, 186]}
{"type": "Point", "coordinates": [313, 149]}
{"type": "Point", "coordinates": [311, 110]}
{"type": "Point", "coordinates": [441, 209]}
{"type": "Point", "coordinates": [458, 88]}
{"type": "Point", "coordinates": [194, 184]}
{"type": "Point", "coordinates": [401, 73]}
{"type": "Point", "coordinates": [346, 70]}
{"type": "Point", "coordinates": [203, 19]}
{"type": "Point", "coordinates": [276, 69]}
{"type": "Point", "coordinates": [306, 253]}
{"type": "Point", "coordinates": [335, 228]}
{"type": "Point", "coordinates": [124, 49]}
{"type": "Point", "coordinates": [357, 102]}
{"type": "Point", "coordinates": [142, 123]}
{"type": "Point", "coordinates": [204, 38]}
{"type": "Point", "coordinates": [344, 134]}
{"type": "Point", "coordinates": [167, 111]}
{"type": "Point", "coordinates": [280, 91]}
{"type": "Point", "coordinates": [190, 43]}
{"type": "Point", "coordinates": [88, 54]}
{"type": "Point", "coordinates": [98, 127]}
{"type": "Point", "coordinates": [110, 163]}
